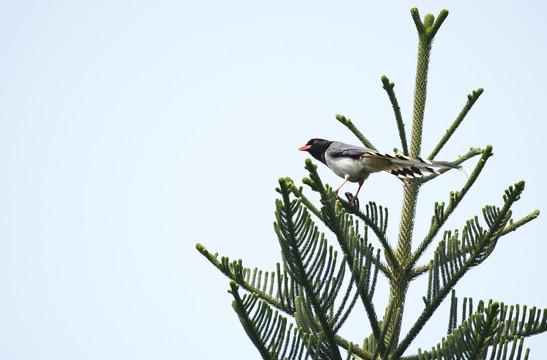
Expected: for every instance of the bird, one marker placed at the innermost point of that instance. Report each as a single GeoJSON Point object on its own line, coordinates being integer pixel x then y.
{"type": "Point", "coordinates": [355, 163]}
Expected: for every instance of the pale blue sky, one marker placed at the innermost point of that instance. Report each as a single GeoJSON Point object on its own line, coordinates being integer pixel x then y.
{"type": "Point", "coordinates": [131, 130]}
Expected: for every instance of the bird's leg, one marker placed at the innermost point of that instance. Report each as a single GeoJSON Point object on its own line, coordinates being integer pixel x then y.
{"type": "Point", "coordinates": [357, 193]}
{"type": "Point", "coordinates": [339, 187]}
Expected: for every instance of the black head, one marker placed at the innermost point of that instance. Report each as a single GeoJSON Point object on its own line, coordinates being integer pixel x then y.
{"type": "Point", "coordinates": [317, 148]}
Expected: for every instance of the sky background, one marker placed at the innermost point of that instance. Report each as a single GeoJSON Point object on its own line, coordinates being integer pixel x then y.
{"type": "Point", "coordinates": [132, 130]}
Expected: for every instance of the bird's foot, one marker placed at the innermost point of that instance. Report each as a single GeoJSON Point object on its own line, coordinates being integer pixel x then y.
{"type": "Point", "coordinates": [352, 199]}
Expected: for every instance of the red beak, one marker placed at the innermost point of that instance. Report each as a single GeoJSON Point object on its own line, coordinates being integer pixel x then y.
{"type": "Point", "coordinates": [305, 148]}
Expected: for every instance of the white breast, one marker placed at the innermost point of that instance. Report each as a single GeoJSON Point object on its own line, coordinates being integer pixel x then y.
{"type": "Point", "coordinates": [348, 167]}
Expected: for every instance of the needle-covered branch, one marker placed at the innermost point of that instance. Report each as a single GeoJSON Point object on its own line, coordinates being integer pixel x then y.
{"type": "Point", "coordinates": [514, 321]}
{"type": "Point", "coordinates": [388, 87]}
{"type": "Point", "coordinates": [334, 216]}
{"type": "Point", "coordinates": [514, 225]}
{"type": "Point", "coordinates": [453, 259]}
{"type": "Point", "coordinates": [442, 214]}
{"type": "Point", "coordinates": [426, 33]}
{"type": "Point", "coordinates": [298, 238]}
{"type": "Point", "coordinates": [347, 122]}
{"type": "Point", "coordinates": [267, 330]}
{"type": "Point", "coordinates": [275, 287]}
{"type": "Point", "coordinates": [374, 219]}
{"type": "Point", "coordinates": [496, 330]}
{"type": "Point", "coordinates": [471, 100]}
{"type": "Point", "coordinates": [511, 226]}
{"type": "Point", "coordinates": [460, 160]}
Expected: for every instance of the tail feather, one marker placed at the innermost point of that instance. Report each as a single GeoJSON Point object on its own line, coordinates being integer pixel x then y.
{"type": "Point", "coordinates": [409, 171]}
{"type": "Point", "coordinates": [412, 167]}
{"type": "Point", "coordinates": [416, 167]}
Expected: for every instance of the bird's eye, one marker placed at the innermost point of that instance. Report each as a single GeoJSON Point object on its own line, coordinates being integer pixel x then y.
{"type": "Point", "coordinates": [315, 141]}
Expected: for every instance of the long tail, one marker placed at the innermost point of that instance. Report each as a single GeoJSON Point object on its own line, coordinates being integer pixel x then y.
{"type": "Point", "coordinates": [411, 167]}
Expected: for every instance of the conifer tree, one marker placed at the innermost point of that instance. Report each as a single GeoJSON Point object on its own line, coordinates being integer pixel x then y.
{"type": "Point", "coordinates": [296, 311]}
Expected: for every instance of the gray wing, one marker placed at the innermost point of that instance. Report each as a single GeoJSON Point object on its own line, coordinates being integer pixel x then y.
{"type": "Point", "coordinates": [339, 149]}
